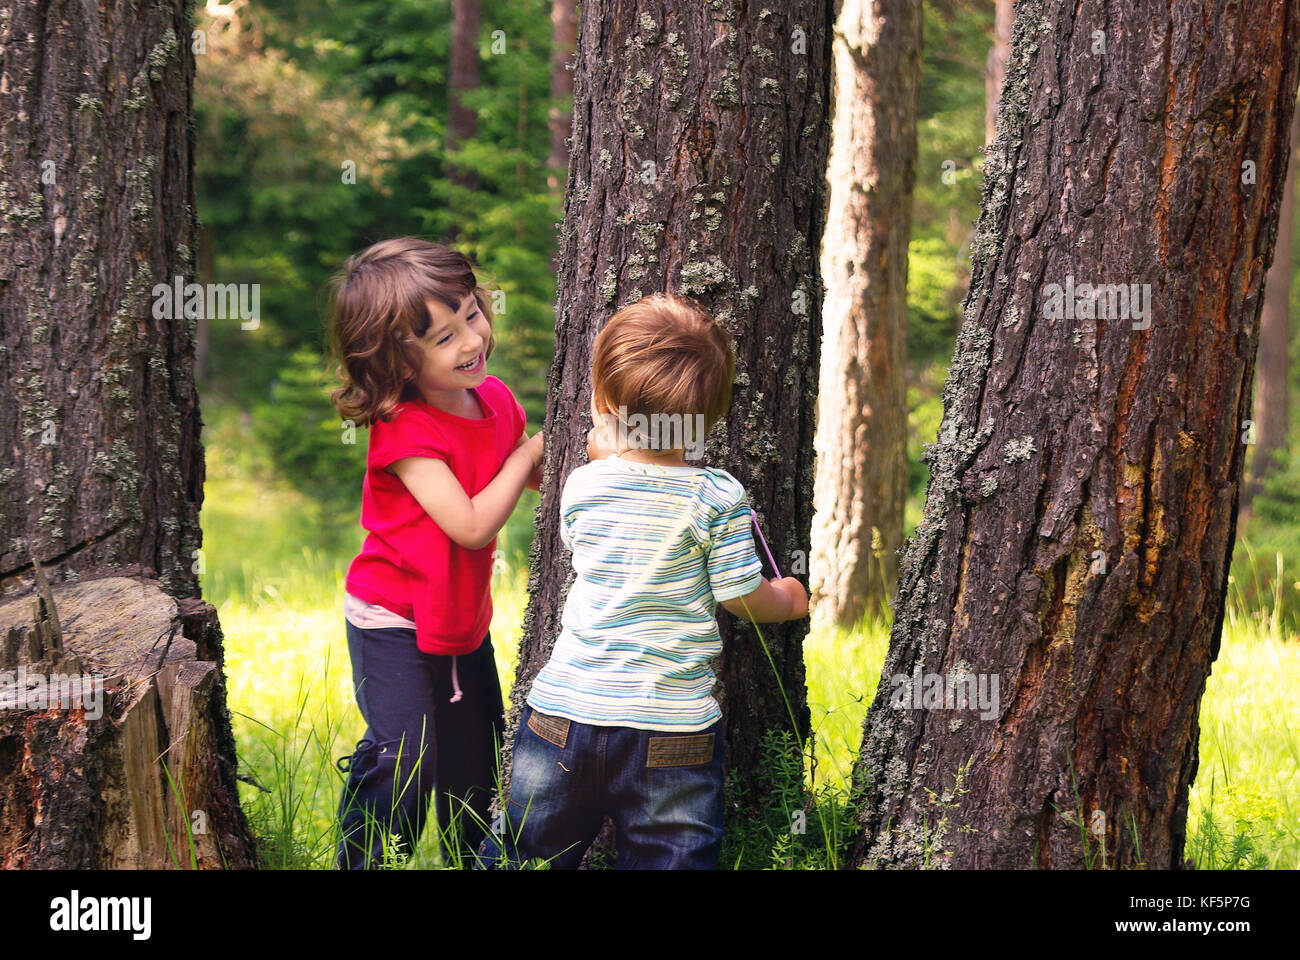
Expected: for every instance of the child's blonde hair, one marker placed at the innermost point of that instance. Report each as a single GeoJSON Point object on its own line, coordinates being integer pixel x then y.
{"type": "Point", "coordinates": [664, 354]}
{"type": "Point", "coordinates": [380, 311]}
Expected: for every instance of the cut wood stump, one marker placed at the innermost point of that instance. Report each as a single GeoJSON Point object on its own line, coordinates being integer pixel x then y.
{"type": "Point", "coordinates": [115, 744]}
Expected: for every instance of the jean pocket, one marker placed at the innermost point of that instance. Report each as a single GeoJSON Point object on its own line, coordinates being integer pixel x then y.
{"type": "Point", "coordinates": [535, 769]}
{"type": "Point", "coordinates": [680, 751]}
{"type": "Point", "coordinates": [551, 729]}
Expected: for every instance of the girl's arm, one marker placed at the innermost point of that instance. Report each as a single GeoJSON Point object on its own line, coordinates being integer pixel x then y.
{"type": "Point", "coordinates": [472, 523]}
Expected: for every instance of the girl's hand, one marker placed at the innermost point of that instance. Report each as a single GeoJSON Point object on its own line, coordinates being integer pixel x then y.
{"type": "Point", "coordinates": [534, 481]}
{"type": "Point", "coordinates": [534, 448]}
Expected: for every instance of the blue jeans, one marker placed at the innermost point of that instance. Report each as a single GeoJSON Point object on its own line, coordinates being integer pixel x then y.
{"type": "Point", "coordinates": [417, 741]}
{"type": "Point", "coordinates": [662, 790]}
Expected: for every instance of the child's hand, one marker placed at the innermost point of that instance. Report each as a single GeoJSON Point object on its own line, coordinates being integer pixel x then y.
{"type": "Point", "coordinates": [533, 446]}
{"type": "Point", "coordinates": [793, 589]}
{"type": "Point", "coordinates": [765, 604]}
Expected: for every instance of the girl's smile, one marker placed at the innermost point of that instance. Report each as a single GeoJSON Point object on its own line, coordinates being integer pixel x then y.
{"type": "Point", "coordinates": [455, 355]}
{"type": "Point", "coordinates": [474, 366]}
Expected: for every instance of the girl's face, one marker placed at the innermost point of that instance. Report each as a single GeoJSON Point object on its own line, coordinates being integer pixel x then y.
{"type": "Point", "coordinates": [454, 348]}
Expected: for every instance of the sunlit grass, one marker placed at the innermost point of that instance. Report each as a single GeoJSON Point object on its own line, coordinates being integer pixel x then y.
{"type": "Point", "coordinates": [1249, 774]}
{"type": "Point", "coordinates": [843, 671]}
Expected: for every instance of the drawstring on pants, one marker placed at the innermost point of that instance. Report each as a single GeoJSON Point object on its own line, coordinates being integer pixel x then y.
{"type": "Point", "coordinates": [455, 681]}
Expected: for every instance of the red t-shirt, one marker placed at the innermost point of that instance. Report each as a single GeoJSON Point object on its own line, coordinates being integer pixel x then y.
{"type": "Point", "coordinates": [407, 564]}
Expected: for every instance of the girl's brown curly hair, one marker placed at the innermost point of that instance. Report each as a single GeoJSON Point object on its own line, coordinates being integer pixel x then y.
{"type": "Point", "coordinates": [380, 313]}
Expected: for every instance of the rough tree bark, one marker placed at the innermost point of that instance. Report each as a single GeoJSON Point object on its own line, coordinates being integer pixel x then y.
{"type": "Point", "coordinates": [1083, 495]}
{"type": "Point", "coordinates": [698, 166]}
{"type": "Point", "coordinates": [861, 437]}
{"type": "Point", "coordinates": [99, 421]}
{"type": "Point", "coordinates": [1272, 396]}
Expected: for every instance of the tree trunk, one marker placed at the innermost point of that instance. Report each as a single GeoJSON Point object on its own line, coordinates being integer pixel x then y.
{"type": "Point", "coordinates": [141, 775]}
{"type": "Point", "coordinates": [463, 122]}
{"type": "Point", "coordinates": [698, 166]}
{"type": "Point", "coordinates": [995, 67]}
{"type": "Point", "coordinates": [1083, 495]}
{"type": "Point", "coordinates": [1272, 396]}
{"type": "Point", "coordinates": [862, 415]}
{"type": "Point", "coordinates": [564, 30]}
{"type": "Point", "coordinates": [99, 417]}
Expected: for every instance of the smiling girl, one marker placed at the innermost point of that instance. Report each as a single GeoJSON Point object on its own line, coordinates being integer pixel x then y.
{"type": "Point", "coordinates": [447, 461]}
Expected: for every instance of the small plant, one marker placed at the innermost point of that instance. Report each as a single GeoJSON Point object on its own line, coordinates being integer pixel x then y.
{"type": "Point", "coordinates": [395, 855]}
{"type": "Point", "coordinates": [1212, 846]}
{"type": "Point", "coordinates": [1075, 817]}
{"type": "Point", "coordinates": [178, 794]}
{"type": "Point", "coordinates": [791, 826]}
{"type": "Point", "coordinates": [1093, 828]}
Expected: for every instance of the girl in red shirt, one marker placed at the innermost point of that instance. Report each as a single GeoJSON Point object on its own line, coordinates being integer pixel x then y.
{"type": "Point", "coordinates": [447, 461]}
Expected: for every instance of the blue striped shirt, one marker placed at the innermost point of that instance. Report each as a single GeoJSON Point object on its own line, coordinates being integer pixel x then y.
{"type": "Point", "coordinates": [655, 548]}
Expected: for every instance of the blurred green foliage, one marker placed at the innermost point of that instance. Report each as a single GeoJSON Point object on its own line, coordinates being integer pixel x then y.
{"type": "Point", "coordinates": [322, 128]}
{"type": "Point", "coordinates": [950, 158]}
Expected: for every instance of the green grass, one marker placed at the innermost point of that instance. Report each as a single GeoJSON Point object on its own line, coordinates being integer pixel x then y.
{"type": "Point", "coordinates": [1248, 782]}
{"type": "Point", "coordinates": [280, 605]}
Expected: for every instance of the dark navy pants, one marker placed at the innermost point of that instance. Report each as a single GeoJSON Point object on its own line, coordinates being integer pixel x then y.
{"type": "Point", "coordinates": [418, 741]}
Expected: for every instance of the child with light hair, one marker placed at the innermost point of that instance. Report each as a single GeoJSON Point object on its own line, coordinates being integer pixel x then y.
{"type": "Point", "coordinates": [621, 721]}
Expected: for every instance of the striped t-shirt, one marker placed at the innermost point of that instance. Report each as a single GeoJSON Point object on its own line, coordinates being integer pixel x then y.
{"type": "Point", "coordinates": [655, 548]}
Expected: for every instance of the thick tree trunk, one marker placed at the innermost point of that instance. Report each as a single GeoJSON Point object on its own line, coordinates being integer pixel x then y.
{"type": "Point", "coordinates": [862, 416]}
{"type": "Point", "coordinates": [1083, 494]}
{"type": "Point", "coordinates": [1272, 396]}
{"type": "Point", "coordinates": [99, 416]}
{"type": "Point", "coordinates": [564, 32]}
{"type": "Point", "coordinates": [698, 166]}
{"type": "Point", "coordinates": [462, 125]}
{"type": "Point", "coordinates": [995, 67]}
{"type": "Point", "coordinates": [105, 467]}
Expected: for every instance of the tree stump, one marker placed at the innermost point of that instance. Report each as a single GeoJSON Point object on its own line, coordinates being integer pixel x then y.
{"type": "Point", "coordinates": [114, 736]}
